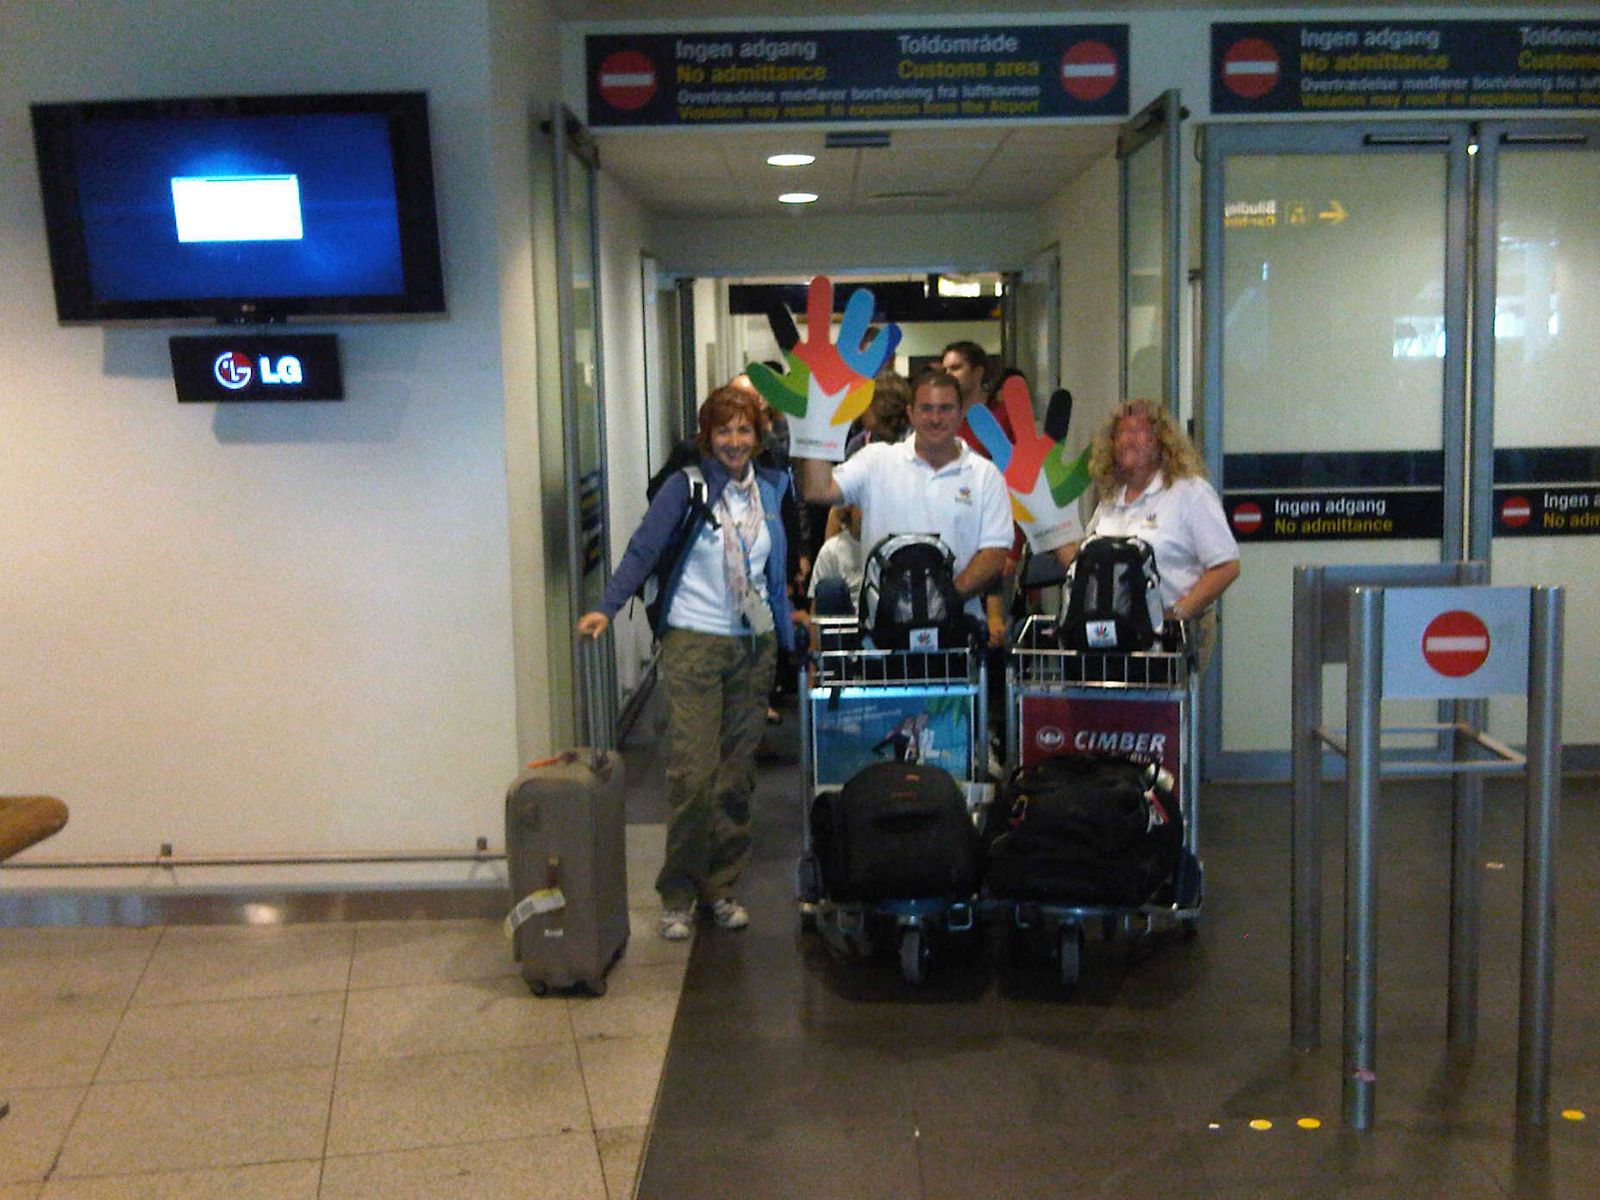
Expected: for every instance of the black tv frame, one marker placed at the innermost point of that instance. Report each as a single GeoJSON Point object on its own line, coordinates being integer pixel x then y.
{"type": "Point", "coordinates": [54, 125]}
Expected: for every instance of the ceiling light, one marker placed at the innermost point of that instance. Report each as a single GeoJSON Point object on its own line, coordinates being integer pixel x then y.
{"type": "Point", "coordinates": [790, 160]}
{"type": "Point", "coordinates": [798, 198]}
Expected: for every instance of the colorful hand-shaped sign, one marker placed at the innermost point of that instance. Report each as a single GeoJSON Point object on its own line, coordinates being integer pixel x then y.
{"type": "Point", "coordinates": [827, 386]}
{"type": "Point", "coordinates": [1044, 486]}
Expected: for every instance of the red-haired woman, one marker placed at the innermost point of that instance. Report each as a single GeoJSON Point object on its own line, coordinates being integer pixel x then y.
{"type": "Point", "coordinates": [724, 612]}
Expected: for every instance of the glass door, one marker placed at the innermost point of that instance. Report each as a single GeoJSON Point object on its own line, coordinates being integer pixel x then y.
{"type": "Point", "coordinates": [588, 557]}
{"type": "Point", "coordinates": [1151, 184]}
{"type": "Point", "coordinates": [1334, 376]}
{"type": "Point", "coordinates": [1536, 390]}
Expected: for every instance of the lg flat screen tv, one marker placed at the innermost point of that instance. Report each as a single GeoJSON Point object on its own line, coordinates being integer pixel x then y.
{"type": "Point", "coordinates": [240, 208]}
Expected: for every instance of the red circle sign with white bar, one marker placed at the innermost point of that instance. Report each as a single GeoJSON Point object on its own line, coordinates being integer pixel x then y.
{"type": "Point", "coordinates": [627, 80]}
{"type": "Point", "coordinates": [1455, 643]}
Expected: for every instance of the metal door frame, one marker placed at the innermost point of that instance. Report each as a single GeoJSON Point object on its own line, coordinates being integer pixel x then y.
{"type": "Point", "coordinates": [1162, 119]}
{"type": "Point", "coordinates": [1494, 139]}
{"type": "Point", "coordinates": [1223, 141]}
{"type": "Point", "coordinates": [596, 695]}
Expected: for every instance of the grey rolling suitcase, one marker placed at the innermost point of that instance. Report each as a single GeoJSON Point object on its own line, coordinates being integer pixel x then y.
{"type": "Point", "coordinates": [568, 869]}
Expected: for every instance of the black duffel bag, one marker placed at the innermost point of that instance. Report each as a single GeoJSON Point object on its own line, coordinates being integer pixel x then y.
{"type": "Point", "coordinates": [1080, 829]}
{"type": "Point", "coordinates": [895, 831]}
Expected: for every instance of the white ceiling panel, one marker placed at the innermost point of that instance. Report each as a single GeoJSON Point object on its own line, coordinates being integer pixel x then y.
{"type": "Point", "coordinates": [956, 168]}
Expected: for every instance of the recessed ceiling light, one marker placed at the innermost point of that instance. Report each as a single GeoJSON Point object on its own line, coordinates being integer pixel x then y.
{"type": "Point", "coordinates": [790, 160]}
{"type": "Point", "coordinates": [798, 198]}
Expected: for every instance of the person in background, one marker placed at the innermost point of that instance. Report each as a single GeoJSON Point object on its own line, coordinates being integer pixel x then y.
{"type": "Point", "coordinates": [968, 364]}
{"type": "Point", "coordinates": [1152, 486]}
{"type": "Point", "coordinates": [725, 611]}
{"type": "Point", "coordinates": [885, 419]}
{"type": "Point", "coordinates": [836, 575]}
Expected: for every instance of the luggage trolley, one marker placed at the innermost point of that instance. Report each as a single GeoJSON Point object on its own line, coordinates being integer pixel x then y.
{"type": "Point", "coordinates": [1138, 705]}
{"type": "Point", "coordinates": [859, 706]}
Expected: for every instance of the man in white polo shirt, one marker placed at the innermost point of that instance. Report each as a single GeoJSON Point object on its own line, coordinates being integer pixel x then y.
{"type": "Point", "coordinates": [929, 483]}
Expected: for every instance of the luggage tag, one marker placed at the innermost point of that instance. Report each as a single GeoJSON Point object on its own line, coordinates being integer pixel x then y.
{"type": "Point", "coordinates": [545, 900]}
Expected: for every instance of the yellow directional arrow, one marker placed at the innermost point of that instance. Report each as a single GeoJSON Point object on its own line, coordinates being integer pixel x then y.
{"type": "Point", "coordinates": [1333, 214]}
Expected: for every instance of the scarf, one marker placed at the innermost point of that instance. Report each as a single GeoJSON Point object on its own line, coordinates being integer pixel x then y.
{"type": "Point", "coordinates": [739, 536]}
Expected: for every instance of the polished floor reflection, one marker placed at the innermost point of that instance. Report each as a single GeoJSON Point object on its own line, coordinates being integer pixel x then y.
{"type": "Point", "coordinates": [1167, 1071]}
{"type": "Point", "coordinates": [325, 1062]}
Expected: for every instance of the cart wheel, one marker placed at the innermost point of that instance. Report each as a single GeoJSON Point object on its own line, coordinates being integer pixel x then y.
{"type": "Point", "coordinates": [1189, 923]}
{"type": "Point", "coordinates": [914, 955]}
{"type": "Point", "coordinates": [1070, 954]}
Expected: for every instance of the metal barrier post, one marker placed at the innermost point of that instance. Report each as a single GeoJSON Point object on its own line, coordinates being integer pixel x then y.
{"type": "Point", "coordinates": [1362, 710]}
{"type": "Point", "coordinates": [1541, 813]}
{"type": "Point", "coordinates": [1466, 879]}
{"type": "Point", "coordinates": [1305, 846]}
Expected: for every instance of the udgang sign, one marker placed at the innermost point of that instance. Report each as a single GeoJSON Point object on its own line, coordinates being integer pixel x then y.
{"type": "Point", "coordinates": [1404, 66]}
{"type": "Point", "coordinates": [877, 75]}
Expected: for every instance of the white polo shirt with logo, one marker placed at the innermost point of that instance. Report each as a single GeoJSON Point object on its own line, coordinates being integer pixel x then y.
{"type": "Point", "coordinates": [965, 501]}
{"type": "Point", "coordinates": [1183, 523]}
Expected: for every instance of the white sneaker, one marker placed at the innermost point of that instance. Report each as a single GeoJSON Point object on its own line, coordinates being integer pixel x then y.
{"type": "Point", "coordinates": [676, 924]}
{"type": "Point", "coordinates": [729, 913]}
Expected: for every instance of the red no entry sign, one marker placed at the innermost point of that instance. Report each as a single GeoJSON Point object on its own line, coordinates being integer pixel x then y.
{"type": "Point", "coordinates": [1455, 643]}
{"type": "Point", "coordinates": [627, 80]}
{"type": "Point", "coordinates": [1250, 68]}
{"type": "Point", "coordinates": [1247, 517]}
{"type": "Point", "coordinates": [1089, 70]}
{"type": "Point", "coordinates": [1516, 511]}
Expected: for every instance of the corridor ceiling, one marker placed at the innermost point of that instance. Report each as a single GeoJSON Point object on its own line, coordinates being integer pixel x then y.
{"type": "Point", "coordinates": [951, 168]}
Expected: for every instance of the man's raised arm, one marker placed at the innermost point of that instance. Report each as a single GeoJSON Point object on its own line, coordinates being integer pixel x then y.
{"type": "Point", "coordinates": [817, 483]}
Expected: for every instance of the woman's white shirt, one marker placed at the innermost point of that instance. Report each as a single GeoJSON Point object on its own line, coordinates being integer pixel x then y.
{"type": "Point", "coordinates": [1183, 523]}
{"type": "Point", "coordinates": [702, 602]}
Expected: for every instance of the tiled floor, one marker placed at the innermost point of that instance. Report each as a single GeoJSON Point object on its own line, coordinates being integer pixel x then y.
{"type": "Point", "coordinates": [326, 1062]}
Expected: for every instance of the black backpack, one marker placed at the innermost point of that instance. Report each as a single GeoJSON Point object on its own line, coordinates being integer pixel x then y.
{"type": "Point", "coordinates": [896, 831]}
{"type": "Point", "coordinates": [1080, 829]}
{"type": "Point", "coordinates": [908, 595]}
{"type": "Point", "coordinates": [654, 589]}
{"type": "Point", "coordinates": [1113, 596]}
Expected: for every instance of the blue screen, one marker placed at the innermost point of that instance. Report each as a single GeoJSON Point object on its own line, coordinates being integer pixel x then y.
{"type": "Point", "coordinates": [335, 169]}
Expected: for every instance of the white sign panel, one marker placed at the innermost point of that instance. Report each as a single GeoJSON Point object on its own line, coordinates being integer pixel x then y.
{"type": "Point", "coordinates": [1457, 643]}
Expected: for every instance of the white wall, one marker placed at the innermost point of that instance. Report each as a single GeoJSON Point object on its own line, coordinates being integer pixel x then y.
{"type": "Point", "coordinates": [260, 628]}
{"type": "Point", "coordinates": [1083, 219]}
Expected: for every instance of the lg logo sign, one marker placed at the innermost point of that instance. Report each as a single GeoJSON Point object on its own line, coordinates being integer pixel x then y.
{"type": "Point", "coordinates": [234, 370]}
{"type": "Point", "coordinates": [255, 367]}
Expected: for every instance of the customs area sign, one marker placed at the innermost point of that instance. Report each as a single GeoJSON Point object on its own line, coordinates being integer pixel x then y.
{"type": "Point", "coordinates": [984, 73]}
{"type": "Point", "coordinates": [1411, 67]}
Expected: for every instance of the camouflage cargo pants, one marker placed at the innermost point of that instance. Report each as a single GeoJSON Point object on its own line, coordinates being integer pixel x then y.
{"type": "Point", "coordinates": [716, 695]}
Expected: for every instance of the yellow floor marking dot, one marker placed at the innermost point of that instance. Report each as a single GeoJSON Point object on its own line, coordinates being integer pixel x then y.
{"type": "Point", "coordinates": [1574, 1114]}
{"type": "Point", "coordinates": [1260, 1123]}
{"type": "Point", "coordinates": [1309, 1123]}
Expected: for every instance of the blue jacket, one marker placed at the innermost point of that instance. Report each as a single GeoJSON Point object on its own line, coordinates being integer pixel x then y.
{"type": "Point", "coordinates": [655, 532]}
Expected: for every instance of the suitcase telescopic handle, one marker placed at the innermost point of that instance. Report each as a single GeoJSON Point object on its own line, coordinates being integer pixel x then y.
{"type": "Point", "coordinates": [594, 697]}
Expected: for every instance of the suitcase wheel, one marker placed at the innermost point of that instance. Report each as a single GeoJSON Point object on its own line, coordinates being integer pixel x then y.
{"type": "Point", "coordinates": [914, 954]}
{"type": "Point", "coordinates": [1069, 953]}
{"type": "Point", "coordinates": [538, 987]}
